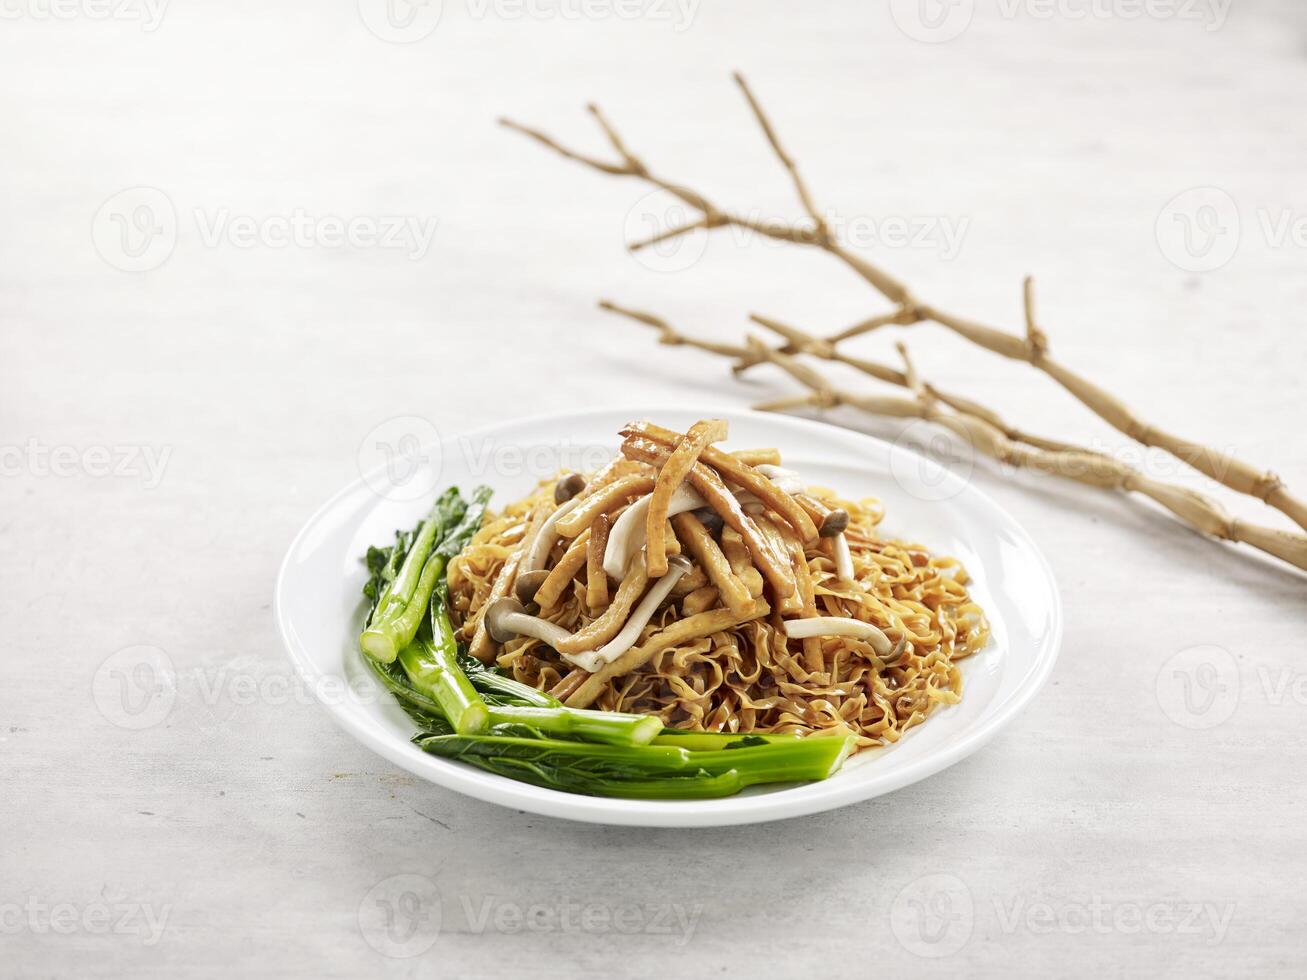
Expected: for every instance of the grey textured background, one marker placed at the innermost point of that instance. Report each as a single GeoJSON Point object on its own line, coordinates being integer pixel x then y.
{"type": "Point", "coordinates": [1112, 830]}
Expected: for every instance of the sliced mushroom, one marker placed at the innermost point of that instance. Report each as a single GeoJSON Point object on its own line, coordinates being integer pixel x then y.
{"type": "Point", "coordinates": [627, 534]}
{"type": "Point", "coordinates": [835, 522]}
{"type": "Point", "coordinates": [783, 477]}
{"type": "Point", "coordinates": [528, 583]}
{"type": "Point", "coordinates": [507, 618]}
{"type": "Point", "coordinates": [677, 565]}
{"type": "Point", "coordinates": [843, 559]}
{"type": "Point", "coordinates": [568, 487]}
{"type": "Point", "coordinates": [800, 629]}
{"type": "Point", "coordinates": [545, 539]}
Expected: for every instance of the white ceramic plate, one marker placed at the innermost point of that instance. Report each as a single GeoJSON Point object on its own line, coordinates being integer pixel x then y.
{"type": "Point", "coordinates": [319, 608]}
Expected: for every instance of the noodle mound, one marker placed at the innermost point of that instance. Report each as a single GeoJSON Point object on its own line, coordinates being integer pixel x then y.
{"type": "Point", "coordinates": [752, 677]}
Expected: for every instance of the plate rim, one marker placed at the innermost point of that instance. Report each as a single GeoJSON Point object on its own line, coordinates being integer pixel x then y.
{"type": "Point", "coordinates": [736, 810]}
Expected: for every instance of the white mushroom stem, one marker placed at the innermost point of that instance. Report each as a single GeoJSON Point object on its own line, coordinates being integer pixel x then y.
{"type": "Point", "coordinates": [802, 629]}
{"type": "Point", "coordinates": [544, 542]}
{"type": "Point", "coordinates": [524, 625]}
{"type": "Point", "coordinates": [784, 478]}
{"type": "Point", "coordinates": [677, 565]}
{"type": "Point", "coordinates": [843, 559]}
{"type": "Point", "coordinates": [628, 532]}
{"type": "Point", "coordinates": [791, 482]}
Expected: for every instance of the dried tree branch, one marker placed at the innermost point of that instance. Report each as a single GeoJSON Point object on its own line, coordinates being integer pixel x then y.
{"type": "Point", "coordinates": [1031, 348]}
{"type": "Point", "coordinates": [984, 431]}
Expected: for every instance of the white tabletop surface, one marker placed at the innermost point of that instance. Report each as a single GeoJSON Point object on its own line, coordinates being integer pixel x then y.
{"type": "Point", "coordinates": [167, 430]}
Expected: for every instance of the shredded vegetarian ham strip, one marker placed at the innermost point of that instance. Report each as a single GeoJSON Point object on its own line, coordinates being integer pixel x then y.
{"type": "Point", "coordinates": [670, 477]}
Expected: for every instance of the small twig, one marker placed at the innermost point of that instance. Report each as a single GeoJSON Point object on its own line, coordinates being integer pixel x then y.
{"type": "Point", "coordinates": [1035, 337]}
{"type": "Point", "coordinates": [800, 188]}
{"type": "Point", "coordinates": [544, 140]}
{"type": "Point", "coordinates": [668, 335]}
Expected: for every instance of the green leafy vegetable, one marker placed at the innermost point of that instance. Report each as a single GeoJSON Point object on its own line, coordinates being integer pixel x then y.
{"type": "Point", "coordinates": [401, 607]}
{"type": "Point", "coordinates": [611, 727]}
{"type": "Point", "coordinates": [608, 770]}
{"type": "Point", "coordinates": [501, 688]}
{"type": "Point", "coordinates": [703, 741]}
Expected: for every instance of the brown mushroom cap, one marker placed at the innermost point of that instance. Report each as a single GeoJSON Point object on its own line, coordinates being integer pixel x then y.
{"type": "Point", "coordinates": [834, 523]}
{"type": "Point", "coordinates": [508, 618]}
{"type": "Point", "coordinates": [528, 584]}
{"type": "Point", "coordinates": [496, 615]}
{"type": "Point", "coordinates": [568, 487]}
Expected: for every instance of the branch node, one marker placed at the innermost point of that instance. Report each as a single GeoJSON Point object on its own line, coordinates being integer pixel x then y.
{"type": "Point", "coordinates": [1036, 339]}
